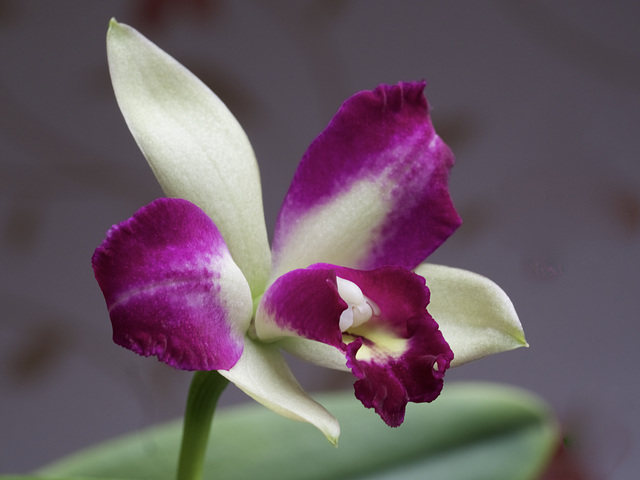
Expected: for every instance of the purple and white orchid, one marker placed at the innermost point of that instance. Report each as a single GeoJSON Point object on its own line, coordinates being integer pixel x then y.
{"type": "Point", "coordinates": [191, 278]}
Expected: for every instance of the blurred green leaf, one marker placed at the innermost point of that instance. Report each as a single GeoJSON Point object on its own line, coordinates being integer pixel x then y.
{"type": "Point", "coordinates": [473, 431]}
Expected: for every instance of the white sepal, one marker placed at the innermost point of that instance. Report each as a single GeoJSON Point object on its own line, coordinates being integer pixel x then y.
{"type": "Point", "coordinates": [263, 374]}
{"type": "Point", "coordinates": [196, 148]}
{"type": "Point", "coordinates": [475, 315]}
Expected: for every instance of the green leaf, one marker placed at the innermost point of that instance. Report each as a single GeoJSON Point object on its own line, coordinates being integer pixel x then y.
{"type": "Point", "coordinates": [473, 431]}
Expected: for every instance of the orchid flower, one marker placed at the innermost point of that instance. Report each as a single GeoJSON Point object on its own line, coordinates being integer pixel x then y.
{"type": "Point", "coordinates": [191, 278]}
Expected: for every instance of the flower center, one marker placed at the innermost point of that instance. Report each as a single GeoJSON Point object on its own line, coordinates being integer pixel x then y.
{"type": "Point", "coordinates": [359, 307]}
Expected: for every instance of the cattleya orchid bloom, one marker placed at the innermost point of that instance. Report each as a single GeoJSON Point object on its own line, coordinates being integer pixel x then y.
{"type": "Point", "coordinates": [191, 279]}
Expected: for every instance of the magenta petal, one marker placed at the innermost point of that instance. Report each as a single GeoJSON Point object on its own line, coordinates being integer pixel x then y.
{"type": "Point", "coordinates": [399, 355]}
{"type": "Point", "coordinates": [385, 137]}
{"type": "Point", "coordinates": [172, 289]}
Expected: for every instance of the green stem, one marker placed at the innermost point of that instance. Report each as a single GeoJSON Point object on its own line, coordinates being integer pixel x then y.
{"type": "Point", "coordinates": [204, 392]}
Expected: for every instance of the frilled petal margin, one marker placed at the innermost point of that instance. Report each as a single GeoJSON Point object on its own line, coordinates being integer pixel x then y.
{"type": "Point", "coordinates": [398, 354]}
{"type": "Point", "coordinates": [475, 315]}
{"type": "Point", "coordinates": [172, 289]}
{"type": "Point", "coordinates": [371, 190]}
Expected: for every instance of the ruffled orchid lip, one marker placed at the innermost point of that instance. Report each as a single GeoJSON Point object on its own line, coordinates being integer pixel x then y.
{"type": "Point", "coordinates": [395, 349]}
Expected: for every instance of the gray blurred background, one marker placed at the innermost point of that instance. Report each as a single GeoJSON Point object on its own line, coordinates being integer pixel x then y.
{"type": "Point", "coordinates": [539, 101]}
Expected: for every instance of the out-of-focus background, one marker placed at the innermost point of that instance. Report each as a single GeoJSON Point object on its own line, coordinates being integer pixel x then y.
{"type": "Point", "coordinates": [539, 100]}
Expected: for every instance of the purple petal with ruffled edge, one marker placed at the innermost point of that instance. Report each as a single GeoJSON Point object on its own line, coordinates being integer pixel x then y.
{"type": "Point", "coordinates": [172, 289]}
{"type": "Point", "coordinates": [382, 148]}
{"type": "Point", "coordinates": [399, 355]}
